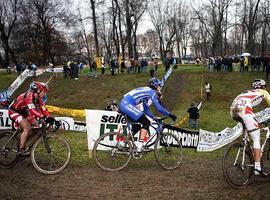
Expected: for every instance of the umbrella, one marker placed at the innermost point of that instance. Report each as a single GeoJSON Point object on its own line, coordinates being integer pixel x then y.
{"type": "Point", "coordinates": [246, 54]}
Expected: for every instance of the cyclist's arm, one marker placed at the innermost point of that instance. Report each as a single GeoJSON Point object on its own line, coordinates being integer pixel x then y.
{"type": "Point", "coordinates": [43, 108]}
{"type": "Point", "coordinates": [147, 111]}
{"type": "Point", "coordinates": [29, 99]}
{"type": "Point", "coordinates": [267, 97]}
{"type": "Point", "coordinates": [158, 106]}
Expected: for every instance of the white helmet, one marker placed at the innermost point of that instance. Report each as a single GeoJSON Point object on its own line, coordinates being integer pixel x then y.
{"type": "Point", "coordinates": [259, 84]}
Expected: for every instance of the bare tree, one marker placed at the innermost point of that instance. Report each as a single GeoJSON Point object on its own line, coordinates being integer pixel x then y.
{"type": "Point", "coordinates": [8, 18]}
{"type": "Point", "coordinates": [212, 17]}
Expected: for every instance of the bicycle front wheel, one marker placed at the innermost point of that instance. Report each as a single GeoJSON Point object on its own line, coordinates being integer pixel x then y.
{"type": "Point", "coordinates": [237, 165]}
{"type": "Point", "coordinates": [9, 148]}
{"type": "Point", "coordinates": [109, 155]}
{"type": "Point", "coordinates": [168, 151]}
{"type": "Point", "coordinates": [266, 160]}
{"type": "Point", "coordinates": [51, 154]}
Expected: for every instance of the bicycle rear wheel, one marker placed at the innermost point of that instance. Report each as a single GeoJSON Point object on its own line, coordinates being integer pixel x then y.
{"type": "Point", "coordinates": [8, 149]}
{"type": "Point", "coordinates": [109, 155]}
{"type": "Point", "coordinates": [266, 160]}
{"type": "Point", "coordinates": [168, 151]}
{"type": "Point", "coordinates": [237, 165]}
{"type": "Point", "coordinates": [51, 154]}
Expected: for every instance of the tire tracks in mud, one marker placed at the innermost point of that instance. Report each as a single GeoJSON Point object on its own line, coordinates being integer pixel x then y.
{"type": "Point", "coordinates": [173, 90]}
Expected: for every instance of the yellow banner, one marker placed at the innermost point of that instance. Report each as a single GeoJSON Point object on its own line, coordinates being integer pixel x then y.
{"type": "Point", "coordinates": [66, 111]}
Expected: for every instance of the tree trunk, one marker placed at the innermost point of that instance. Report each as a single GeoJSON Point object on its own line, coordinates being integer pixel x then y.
{"type": "Point", "coordinates": [93, 8]}
{"type": "Point", "coordinates": [129, 29]}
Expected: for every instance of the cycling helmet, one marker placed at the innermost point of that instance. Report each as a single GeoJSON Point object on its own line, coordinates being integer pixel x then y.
{"type": "Point", "coordinates": [154, 83]}
{"type": "Point", "coordinates": [39, 85]}
{"type": "Point", "coordinates": [259, 84]}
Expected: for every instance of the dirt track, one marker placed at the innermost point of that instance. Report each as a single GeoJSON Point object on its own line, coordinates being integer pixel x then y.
{"type": "Point", "coordinates": [196, 179]}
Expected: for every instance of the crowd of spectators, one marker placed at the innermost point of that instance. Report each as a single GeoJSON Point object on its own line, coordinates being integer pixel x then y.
{"type": "Point", "coordinates": [246, 63]}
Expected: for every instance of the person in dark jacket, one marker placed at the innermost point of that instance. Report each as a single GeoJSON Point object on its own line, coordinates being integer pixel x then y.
{"type": "Point", "coordinates": [193, 116]}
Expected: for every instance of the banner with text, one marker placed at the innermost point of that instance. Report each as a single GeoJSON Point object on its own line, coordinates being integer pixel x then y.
{"type": "Point", "coordinates": [99, 122]}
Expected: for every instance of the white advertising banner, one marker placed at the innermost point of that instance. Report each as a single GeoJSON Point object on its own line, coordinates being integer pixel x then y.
{"type": "Point", "coordinates": [68, 123]}
{"type": "Point", "coordinates": [99, 122]}
{"type": "Point", "coordinates": [5, 121]}
{"type": "Point", "coordinates": [19, 80]}
{"type": "Point", "coordinates": [210, 141]}
{"type": "Point", "coordinates": [54, 70]}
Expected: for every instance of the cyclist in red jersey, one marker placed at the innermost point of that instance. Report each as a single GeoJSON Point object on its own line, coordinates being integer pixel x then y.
{"type": "Point", "coordinates": [27, 108]}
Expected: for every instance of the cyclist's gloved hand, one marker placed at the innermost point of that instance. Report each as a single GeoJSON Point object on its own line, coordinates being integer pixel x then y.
{"type": "Point", "coordinates": [49, 120]}
{"type": "Point", "coordinates": [172, 116]}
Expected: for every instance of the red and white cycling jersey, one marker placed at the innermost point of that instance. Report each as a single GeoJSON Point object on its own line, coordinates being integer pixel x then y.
{"type": "Point", "coordinates": [244, 102]}
{"type": "Point", "coordinates": [27, 105]}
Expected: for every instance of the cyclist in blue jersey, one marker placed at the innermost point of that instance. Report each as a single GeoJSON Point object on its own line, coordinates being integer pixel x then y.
{"type": "Point", "coordinates": [136, 105]}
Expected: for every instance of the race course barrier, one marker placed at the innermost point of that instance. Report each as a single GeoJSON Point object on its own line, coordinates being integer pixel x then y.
{"type": "Point", "coordinates": [99, 122]}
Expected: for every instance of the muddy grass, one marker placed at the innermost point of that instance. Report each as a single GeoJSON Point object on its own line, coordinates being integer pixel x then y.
{"type": "Point", "coordinates": [197, 178]}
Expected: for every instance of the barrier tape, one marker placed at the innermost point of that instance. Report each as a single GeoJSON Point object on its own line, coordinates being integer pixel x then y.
{"type": "Point", "coordinates": [66, 111]}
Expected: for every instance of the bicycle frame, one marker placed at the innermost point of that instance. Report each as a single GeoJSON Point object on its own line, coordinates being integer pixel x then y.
{"type": "Point", "coordinates": [156, 125]}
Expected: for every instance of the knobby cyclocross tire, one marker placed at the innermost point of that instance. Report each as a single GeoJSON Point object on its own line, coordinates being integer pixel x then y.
{"type": "Point", "coordinates": [168, 151]}
{"type": "Point", "coordinates": [52, 159]}
{"type": "Point", "coordinates": [237, 172]}
{"type": "Point", "coordinates": [109, 155]}
{"type": "Point", "coordinates": [266, 159]}
{"type": "Point", "coordinates": [9, 155]}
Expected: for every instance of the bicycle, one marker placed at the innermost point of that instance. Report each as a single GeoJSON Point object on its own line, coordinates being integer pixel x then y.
{"type": "Point", "coordinates": [238, 160]}
{"type": "Point", "coordinates": [111, 156]}
{"type": "Point", "coordinates": [50, 153]}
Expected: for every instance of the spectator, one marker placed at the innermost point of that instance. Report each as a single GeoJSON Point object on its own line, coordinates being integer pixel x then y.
{"type": "Point", "coordinates": [103, 67]}
{"type": "Point", "coordinates": [156, 64]}
{"type": "Point", "coordinates": [108, 106]}
{"type": "Point", "coordinates": [208, 88]}
{"type": "Point", "coordinates": [151, 68]}
{"type": "Point", "coordinates": [116, 64]}
{"type": "Point", "coordinates": [93, 69]}
{"type": "Point", "coordinates": [81, 67]}
{"type": "Point", "coordinates": [76, 71]}
{"type": "Point", "coordinates": [246, 64]}
{"type": "Point", "coordinates": [114, 106]}
{"type": "Point", "coordinates": [128, 66]}
{"type": "Point", "coordinates": [166, 63]}
{"type": "Point", "coordinates": [123, 66]}
{"type": "Point", "coordinates": [267, 69]}
{"type": "Point", "coordinates": [242, 68]}
{"type": "Point", "coordinates": [193, 116]}
{"type": "Point", "coordinates": [72, 69]}
{"type": "Point", "coordinates": [18, 68]}
{"type": "Point", "coordinates": [112, 67]}
{"type": "Point", "coordinates": [65, 70]}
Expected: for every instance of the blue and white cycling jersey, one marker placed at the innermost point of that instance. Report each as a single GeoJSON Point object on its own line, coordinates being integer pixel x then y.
{"type": "Point", "coordinates": [137, 102]}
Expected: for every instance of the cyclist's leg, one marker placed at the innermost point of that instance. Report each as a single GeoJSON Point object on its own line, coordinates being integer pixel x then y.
{"type": "Point", "coordinates": [23, 123]}
{"type": "Point", "coordinates": [252, 127]}
{"type": "Point", "coordinates": [137, 115]}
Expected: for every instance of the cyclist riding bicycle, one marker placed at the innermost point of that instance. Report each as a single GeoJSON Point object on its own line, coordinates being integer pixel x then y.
{"type": "Point", "coordinates": [27, 108]}
{"type": "Point", "coordinates": [136, 103]}
{"type": "Point", "coordinates": [241, 110]}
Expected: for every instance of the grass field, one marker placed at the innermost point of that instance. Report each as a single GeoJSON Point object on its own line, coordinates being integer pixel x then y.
{"type": "Point", "coordinates": [94, 93]}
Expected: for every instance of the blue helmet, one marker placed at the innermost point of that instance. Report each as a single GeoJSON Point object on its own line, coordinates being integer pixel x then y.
{"type": "Point", "coordinates": [154, 83]}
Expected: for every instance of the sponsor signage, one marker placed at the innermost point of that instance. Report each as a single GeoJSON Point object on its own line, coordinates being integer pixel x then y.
{"type": "Point", "coordinates": [100, 122]}
{"type": "Point", "coordinates": [5, 121]}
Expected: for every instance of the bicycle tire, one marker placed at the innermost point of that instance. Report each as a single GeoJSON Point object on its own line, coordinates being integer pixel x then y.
{"type": "Point", "coordinates": [168, 151]}
{"type": "Point", "coordinates": [236, 174]}
{"type": "Point", "coordinates": [51, 162]}
{"type": "Point", "coordinates": [266, 160]}
{"type": "Point", "coordinates": [107, 154]}
{"type": "Point", "coordinates": [9, 155]}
